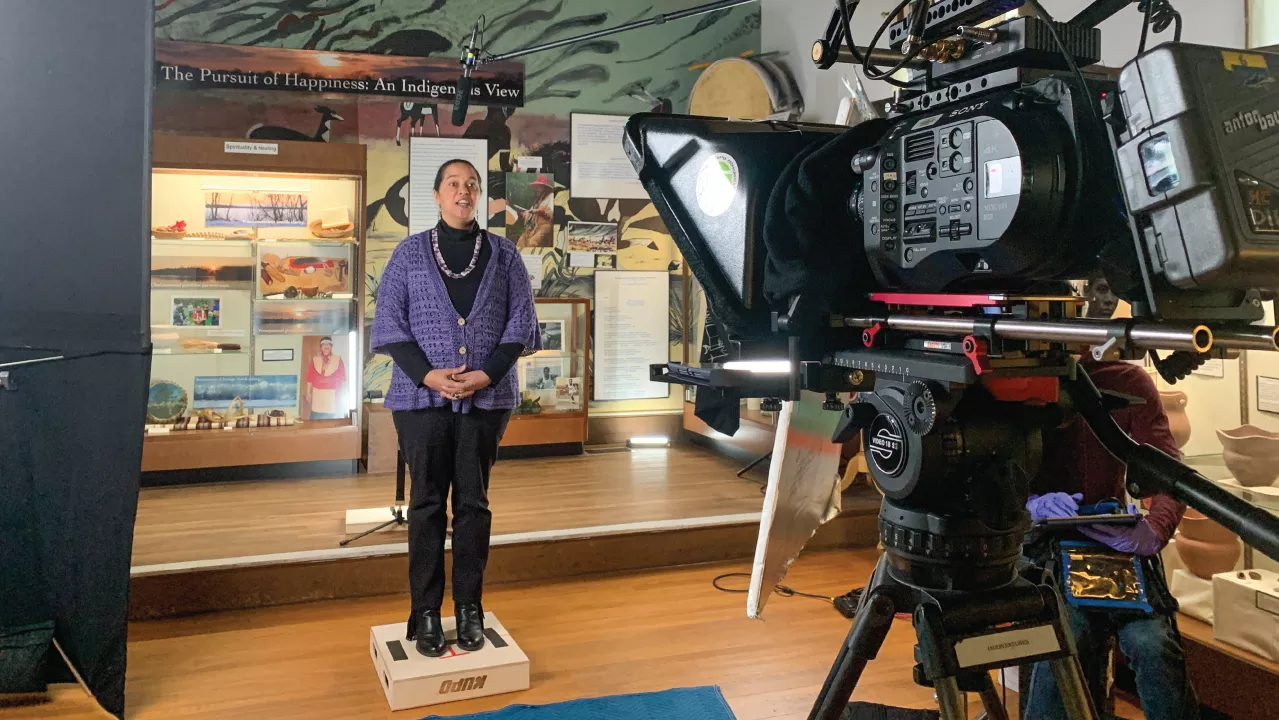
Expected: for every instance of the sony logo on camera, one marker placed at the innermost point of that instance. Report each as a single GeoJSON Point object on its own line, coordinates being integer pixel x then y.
{"type": "Point", "coordinates": [966, 110]}
{"type": "Point", "coordinates": [1253, 118]}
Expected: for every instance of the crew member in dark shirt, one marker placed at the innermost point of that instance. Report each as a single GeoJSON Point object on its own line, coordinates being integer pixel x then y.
{"type": "Point", "coordinates": [1078, 470]}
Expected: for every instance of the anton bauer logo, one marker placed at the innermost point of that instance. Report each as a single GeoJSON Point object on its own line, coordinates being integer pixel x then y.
{"type": "Point", "coordinates": [471, 683]}
{"type": "Point", "coordinates": [886, 445]}
{"type": "Point", "coordinates": [1243, 120]}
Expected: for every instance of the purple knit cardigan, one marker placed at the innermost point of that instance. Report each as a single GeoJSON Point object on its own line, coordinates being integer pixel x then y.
{"type": "Point", "coordinates": [413, 305]}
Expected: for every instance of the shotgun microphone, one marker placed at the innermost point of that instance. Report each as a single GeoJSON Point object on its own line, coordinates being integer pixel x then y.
{"type": "Point", "coordinates": [463, 97]}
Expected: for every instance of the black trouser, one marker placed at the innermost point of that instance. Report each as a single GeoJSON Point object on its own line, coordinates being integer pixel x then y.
{"type": "Point", "coordinates": [445, 449]}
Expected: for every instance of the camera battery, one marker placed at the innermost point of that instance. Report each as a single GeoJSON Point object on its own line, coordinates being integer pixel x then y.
{"type": "Point", "coordinates": [1200, 163]}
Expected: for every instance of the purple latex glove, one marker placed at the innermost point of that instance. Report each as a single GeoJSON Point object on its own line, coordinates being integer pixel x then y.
{"type": "Point", "coordinates": [1140, 539]}
{"type": "Point", "coordinates": [1053, 505]}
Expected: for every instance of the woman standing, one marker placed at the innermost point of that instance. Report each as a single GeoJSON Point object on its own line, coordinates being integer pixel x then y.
{"type": "Point", "coordinates": [454, 311]}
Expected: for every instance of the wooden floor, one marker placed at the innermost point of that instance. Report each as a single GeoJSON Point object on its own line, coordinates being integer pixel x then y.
{"type": "Point", "coordinates": [234, 519]}
{"type": "Point", "coordinates": [584, 638]}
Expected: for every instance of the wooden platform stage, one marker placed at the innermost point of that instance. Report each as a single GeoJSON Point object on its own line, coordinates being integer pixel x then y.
{"type": "Point", "coordinates": [239, 519]}
{"type": "Point", "coordinates": [585, 637]}
{"type": "Point", "coordinates": [230, 546]}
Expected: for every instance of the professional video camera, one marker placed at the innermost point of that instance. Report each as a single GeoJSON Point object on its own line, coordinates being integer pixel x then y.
{"type": "Point", "coordinates": [918, 260]}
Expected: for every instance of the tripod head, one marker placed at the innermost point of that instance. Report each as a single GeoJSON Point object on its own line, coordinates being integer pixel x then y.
{"type": "Point", "coordinates": [954, 464]}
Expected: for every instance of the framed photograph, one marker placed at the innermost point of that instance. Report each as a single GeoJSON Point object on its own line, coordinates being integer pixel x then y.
{"type": "Point", "coordinates": [606, 262]}
{"type": "Point", "coordinates": [540, 373]}
{"type": "Point", "coordinates": [530, 210]}
{"type": "Point", "coordinates": [217, 392]}
{"type": "Point", "coordinates": [303, 271]}
{"type": "Point", "coordinates": [302, 317]}
{"type": "Point", "coordinates": [325, 386]}
{"type": "Point", "coordinates": [205, 269]}
{"type": "Point", "coordinates": [595, 238]}
{"type": "Point", "coordinates": [552, 332]}
{"type": "Point", "coordinates": [196, 312]}
{"type": "Point", "coordinates": [568, 393]}
{"type": "Point", "coordinates": [254, 209]}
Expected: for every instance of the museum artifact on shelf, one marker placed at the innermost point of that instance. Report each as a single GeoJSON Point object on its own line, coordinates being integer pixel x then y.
{"type": "Point", "coordinates": [1251, 454]}
{"type": "Point", "coordinates": [1205, 546]}
{"type": "Point", "coordinates": [553, 407]}
{"type": "Point", "coordinates": [1247, 611]}
{"type": "Point", "coordinates": [256, 279]}
{"type": "Point", "coordinates": [1174, 404]}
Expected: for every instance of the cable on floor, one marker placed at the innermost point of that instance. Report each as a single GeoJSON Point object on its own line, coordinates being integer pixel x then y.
{"type": "Point", "coordinates": [846, 604]}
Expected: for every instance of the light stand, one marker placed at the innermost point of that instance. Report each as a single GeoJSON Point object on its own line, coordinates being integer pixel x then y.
{"type": "Point", "coordinates": [397, 510]}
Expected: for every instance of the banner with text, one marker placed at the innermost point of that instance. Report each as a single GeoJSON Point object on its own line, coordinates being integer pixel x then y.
{"type": "Point", "coordinates": [207, 66]}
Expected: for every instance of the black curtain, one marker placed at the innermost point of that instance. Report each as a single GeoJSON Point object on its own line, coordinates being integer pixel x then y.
{"type": "Point", "coordinates": [70, 457]}
{"type": "Point", "coordinates": [75, 98]}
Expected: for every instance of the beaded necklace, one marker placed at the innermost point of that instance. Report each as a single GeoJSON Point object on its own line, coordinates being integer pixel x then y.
{"type": "Point", "coordinates": [444, 268]}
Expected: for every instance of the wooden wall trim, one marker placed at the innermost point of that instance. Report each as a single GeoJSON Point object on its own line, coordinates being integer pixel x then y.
{"type": "Point", "coordinates": [168, 595]}
{"type": "Point", "coordinates": [196, 449]}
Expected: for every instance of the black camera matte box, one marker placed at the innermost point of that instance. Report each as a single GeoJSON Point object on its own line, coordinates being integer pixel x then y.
{"type": "Point", "coordinates": [1200, 159]}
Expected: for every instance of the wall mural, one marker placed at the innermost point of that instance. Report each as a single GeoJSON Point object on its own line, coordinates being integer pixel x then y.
{"type": "Point", "coordinates": [632, 72]}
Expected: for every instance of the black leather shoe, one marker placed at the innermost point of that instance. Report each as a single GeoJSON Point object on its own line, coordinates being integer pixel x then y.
{"type": "Point", "coordinates": [470, 626]}
{"type": "Point", "coordinates": [430, 634]}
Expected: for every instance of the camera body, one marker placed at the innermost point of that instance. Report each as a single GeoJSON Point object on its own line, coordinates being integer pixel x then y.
{"type": "Point", "coordinates": [1005, 184]}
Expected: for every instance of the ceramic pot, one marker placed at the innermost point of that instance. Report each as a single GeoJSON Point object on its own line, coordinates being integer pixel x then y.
{"type": "Point", "coordinates": [1205, 559]}
{"type": "Point", "coordinates": [1199, 527]}
{"type": "Point", "coordinates": [1178, 421]}
{"type": "Point", "coordinates": [1251, 454]}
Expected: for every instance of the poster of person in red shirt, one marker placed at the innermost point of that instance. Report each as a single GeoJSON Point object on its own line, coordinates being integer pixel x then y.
{"type": "Point", "coordinates": [325, 388]}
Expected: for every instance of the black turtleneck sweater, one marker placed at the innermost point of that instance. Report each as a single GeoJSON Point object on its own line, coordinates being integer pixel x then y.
{"type": "Point", "coordinates": [457, 247]}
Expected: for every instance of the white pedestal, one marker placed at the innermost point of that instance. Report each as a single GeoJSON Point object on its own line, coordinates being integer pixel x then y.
{"type": "Point", "coordinates": [1193, 593]}
{"type": "Point", "coordinates": [365, 519]}
{"type": "Point", "coordinates": [411, 679]}
{"type": "Point", "coordinates": [1247, 605]}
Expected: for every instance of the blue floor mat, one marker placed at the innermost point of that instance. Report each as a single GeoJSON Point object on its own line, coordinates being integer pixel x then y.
{"type": "Point", "coordinates": [700, 703]}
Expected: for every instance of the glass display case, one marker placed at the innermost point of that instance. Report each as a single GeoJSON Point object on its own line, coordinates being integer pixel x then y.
{"type": "Point", "coordinates": [555, 382]}
{"type": "Point", "coordinates": [256, 280]}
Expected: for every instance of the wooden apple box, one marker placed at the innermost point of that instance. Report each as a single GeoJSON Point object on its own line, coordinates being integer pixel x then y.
{"type": "Point", "coordinates": [411, 679]}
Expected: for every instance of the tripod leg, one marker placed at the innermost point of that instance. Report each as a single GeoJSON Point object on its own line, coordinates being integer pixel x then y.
{"type": "Point", "coordinates": [368, 532]}
{"type": "Point", "coordinates": [756, 461]}
{"type": "Point", "coordinates": [950, 701]}
{"type": "Point", "coordinates": [871, 626]}
{"type": "Point", "coordinates": [990, 700]}
{"type": "Point", "coordinates": [1074, 692]}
